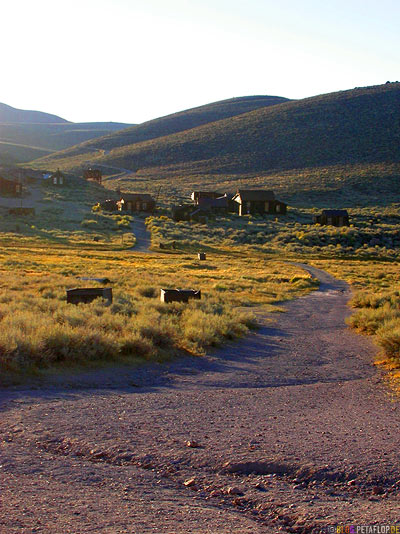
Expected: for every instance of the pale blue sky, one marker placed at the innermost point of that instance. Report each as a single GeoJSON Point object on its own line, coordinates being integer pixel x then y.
{"type": "Point", "coordinates": [131, 61]}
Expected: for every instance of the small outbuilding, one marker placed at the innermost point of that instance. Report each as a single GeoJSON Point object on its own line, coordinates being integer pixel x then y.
{"type": "Point", "coordinates": [332, 218]}
{"type": "Point", "coordinates": [179, 295]}
{"type": "Point", "coordinates": [95, 175]}
{"type": "Point", "coordinates": [258, 201]}
{"type": "Point", "coordinates": [134, 202]}
{"type": "Point", "coordinates": [10, 187]}
{"type": "Point", "coordinates": [198, 196]}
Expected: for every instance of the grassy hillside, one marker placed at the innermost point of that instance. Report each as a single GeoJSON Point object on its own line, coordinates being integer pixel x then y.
{"type": "Point", "coordinates": [355, 127]}
{"type": "Point", "coordinates": [177, 122]}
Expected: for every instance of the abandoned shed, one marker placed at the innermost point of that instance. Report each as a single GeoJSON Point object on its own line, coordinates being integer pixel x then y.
{"type": "Point", "coordinates": [10, 187]}
{"type": "Point", "coordinates": [198, 196]}
{"type": "Point", "coordinates": [136, 202]}
{"type": "Point", "coordinates": [332, 217]}
{"type": "Point", "coordinates": [179, 295]}
{"type": "Point", "coordinates": [94, 175]}
{"type": "Point", "coordinates": [89, 294]}
{"type": "Point", "coordinates": [214, 204]}
{"type": "Point", "coordinates": [57, 178]}
{"type": "Point", "coordinates": [258, 201]}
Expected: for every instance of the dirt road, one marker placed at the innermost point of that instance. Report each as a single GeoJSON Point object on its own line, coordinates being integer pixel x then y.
{"type": "Point", "coordinates": [143, 236]}
{"type": "Point", "coordinates": [289, 430]}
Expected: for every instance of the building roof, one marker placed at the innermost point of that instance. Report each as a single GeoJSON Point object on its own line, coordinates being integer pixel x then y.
{"type": "Point", "coordinates": [133, 197]}
{"type": "Point", "coordinates": [254, 195]}
{"type": "Point", "coordinates": [335, 213]}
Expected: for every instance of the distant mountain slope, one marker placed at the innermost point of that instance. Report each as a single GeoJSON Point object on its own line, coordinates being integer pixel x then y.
{"type": "Point", "coordinates": [9, 114]}
{"type": "Point", "coordinates": [361, 125]}
{"type": "Point", "coordinates": [24, 142]}
{"type": "Point", "coordinates": [177, 122]}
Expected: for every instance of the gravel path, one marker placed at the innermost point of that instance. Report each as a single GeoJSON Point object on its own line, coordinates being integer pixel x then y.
{"type": "Point", "coordinates": [289, 430]}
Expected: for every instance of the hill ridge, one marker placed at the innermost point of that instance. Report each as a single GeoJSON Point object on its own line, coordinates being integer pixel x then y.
{"type": "Point", "coordinates": [178, 122]}
{"type": "Point", "coordinates": [11, 115]}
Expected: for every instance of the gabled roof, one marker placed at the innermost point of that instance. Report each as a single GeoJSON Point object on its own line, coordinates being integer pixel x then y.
{"type": "Point", "coordinates": [254, 195]}
{"type": "Point", "coordinates": [133, 197]}
{"type": "Point", "coordinates": [335, 213]}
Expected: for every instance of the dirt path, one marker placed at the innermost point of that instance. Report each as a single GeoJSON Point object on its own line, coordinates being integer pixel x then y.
{"type": "Point", "coordinates": [143, 236]}
{"type": "Point", "coordinates": [291, 430]}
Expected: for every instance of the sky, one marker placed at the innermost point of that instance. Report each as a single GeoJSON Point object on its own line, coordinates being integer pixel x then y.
{"type": "Point", "coordinates": [132, 61]}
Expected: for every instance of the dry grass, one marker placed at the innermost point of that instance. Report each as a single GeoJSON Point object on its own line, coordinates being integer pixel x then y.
{"type": "Point", "coordinates": [39, 329]}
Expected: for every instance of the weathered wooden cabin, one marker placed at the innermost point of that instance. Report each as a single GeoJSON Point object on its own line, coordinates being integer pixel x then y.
{"type": "Point", "coordinates": [94, 175]}
{"type": "Point", "coordinates": [10, 187]}
{"type": "Point", "coordinates": [214, 204]}
{"type": "Point", "coordinates": [57, 178]}
{"type": "Point", "coordinates": [332, 218]}
{"type": "Point", "coordinates": [198, 196]}
{"type": "Point", "coordinates": [133, 202]}
{"type": "Point", "coordinates": [258, 201]}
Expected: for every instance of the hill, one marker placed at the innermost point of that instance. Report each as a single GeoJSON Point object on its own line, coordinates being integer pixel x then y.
{"type": "Point", "coordinates": [348, 127]}
{"type": "Point", "coordinates": [9, 114]}
{"type": "Point", "coordinates": [21, 142]}
{"type": "Point", "coordinates": [171, 124]}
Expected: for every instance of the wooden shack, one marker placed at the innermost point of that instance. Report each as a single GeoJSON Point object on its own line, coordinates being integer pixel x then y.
{"type": "Point", "coordinates": [179, 295]}
{"type": "Point", "coordinates": [57, 178]}
{"type": "Point", "coordinates": [197, 196]}
{"type": "Point", "coordinates": [95, 175]}
{"type": "Point", "coordinates": [88, 294]}
{"type": "Point", "coordinates": [332, 218]}
{"type": "Point", "coordinates": [258, 201]}
{"type": "Point", "coordinates": [134, 202]}
{"type": "Point", "coordinates": [10, 187]}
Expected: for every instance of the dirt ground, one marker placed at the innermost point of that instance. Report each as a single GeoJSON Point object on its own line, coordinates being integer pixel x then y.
{"type": "Point", "coordinates": [289, 430]}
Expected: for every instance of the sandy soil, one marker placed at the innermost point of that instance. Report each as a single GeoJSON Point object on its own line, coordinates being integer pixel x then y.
{"type": "Point", "coordinates": [289, 430]}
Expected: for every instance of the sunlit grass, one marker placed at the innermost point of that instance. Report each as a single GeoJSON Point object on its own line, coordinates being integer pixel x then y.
{"type": "Point", "coordinates": [39, 329]}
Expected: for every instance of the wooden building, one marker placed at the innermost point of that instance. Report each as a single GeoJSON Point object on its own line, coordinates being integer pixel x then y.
{"type": "Point", "coordinates": [258, 201]}
{"type": "Point", "coordinates": [136, 202]}
{"type": "Point", "coordinates": [332, 217]}
{"type": "Point", "coordinates": [93, 174]}
{"type": "Point", "coordinates": [198, 196]}
{"type": "Point", "coordinates": [214, 204]}
{"type": "Point", "coordinates": [57, 178]}
{"type": "Point", "coordinates": [10, 187]}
